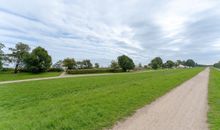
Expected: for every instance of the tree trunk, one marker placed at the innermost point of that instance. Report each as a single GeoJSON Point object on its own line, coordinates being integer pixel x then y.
{"type": "Point", "coordinates": [16, 69]}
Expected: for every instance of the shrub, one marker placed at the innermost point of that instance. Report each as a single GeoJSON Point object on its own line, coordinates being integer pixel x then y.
{"type": "Point", "coordinates": [55, 70]}
{"type": "Point", "coordinates": [90, 71]}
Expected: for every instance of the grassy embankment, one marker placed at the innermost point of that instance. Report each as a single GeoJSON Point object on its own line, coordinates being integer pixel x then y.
{"type": "Point", "coordinates": [83, 103]}
{"type": "Point", "coordinates": [214, 100]}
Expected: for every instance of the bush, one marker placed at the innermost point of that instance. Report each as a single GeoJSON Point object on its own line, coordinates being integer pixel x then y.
{"type": "Point", "coordinates": [55, 70]}
{"type": "Point", "coordinates": [7, 69]}
{"type": "Point", "coordinates": [90, 71]}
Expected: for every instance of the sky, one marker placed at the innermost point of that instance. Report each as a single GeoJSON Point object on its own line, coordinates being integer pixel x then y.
{"type": "Point", "coordinates": [101, 30]}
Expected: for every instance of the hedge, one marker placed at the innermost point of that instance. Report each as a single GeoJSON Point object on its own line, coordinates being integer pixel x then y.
{"type": "Point", "coordinates": [90, 71]}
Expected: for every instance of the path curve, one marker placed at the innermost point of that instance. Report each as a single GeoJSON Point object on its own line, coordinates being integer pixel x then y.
{"type": "Point", "coordinates": [184, 108]}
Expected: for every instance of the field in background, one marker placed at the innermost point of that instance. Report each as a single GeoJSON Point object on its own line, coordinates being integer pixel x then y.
{"type": "Point", "coordinates": [83, 103]}
{"type": "Point", "coordinates": [7, 76]}
{"type": "Point", "coordinates": [214, 100]}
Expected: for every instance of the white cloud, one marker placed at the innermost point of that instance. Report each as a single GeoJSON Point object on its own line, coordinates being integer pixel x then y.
{"type": "Point", "coordinates": [102, 30]}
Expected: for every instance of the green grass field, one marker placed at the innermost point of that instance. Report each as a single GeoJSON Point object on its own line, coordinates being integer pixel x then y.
{"type": "Point", "coordinates": [214, 100]}
{"type": "Point", "coordinates": [6, 76]}
{"type": "Point", "coordinates": [83, 103]}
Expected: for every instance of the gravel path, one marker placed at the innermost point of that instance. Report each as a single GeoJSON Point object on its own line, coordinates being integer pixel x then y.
{"type": "Point", "coordinates": [63, 75]}
{"type": "Point", "coordinates": [184, 108]}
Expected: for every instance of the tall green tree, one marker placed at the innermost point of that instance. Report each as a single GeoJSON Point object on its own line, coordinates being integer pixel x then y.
{"type": "Point", "coordinates": [69, 63]}
{"type": "Point", "coordinates": [156, 63]}
{"type": "Point", "coordinates": [126, 63]}
{"type": "Point", "coordinates": [190, 63]}
{"type": "Point", "coordinates": [18, 55]}
{"type": "Point", "coordinates": [1, 55]}
{"type": "Point", "coordinates": [38, 61]}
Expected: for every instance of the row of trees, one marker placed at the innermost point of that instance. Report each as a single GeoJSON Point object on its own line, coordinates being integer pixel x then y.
{"type": "Point", "coordinates": [158, 63]}
{"type": "Point", "coordinates": [217, 65]}
{"type": "Point", "coordinates": [123, 62]}
{"type": "Point", "coordinates": [38, 60]}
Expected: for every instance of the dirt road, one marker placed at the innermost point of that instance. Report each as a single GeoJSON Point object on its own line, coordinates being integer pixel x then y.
{"type": "Point", "coordinates": [184, 108]}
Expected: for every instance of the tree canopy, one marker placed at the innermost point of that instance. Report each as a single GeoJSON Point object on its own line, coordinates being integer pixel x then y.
{"type": "Point", "coordinates": [126, 63]}
{"type": "Point", "coordinates": [18, 55]}
{"type": "Point", "coordinates": [69, 63]}
{"type": "Point", "coordinates": [169, 64]}
{"type": "Point", "coordinates": [38, 60]}
{"type": "Point", "coordinates": [156, 63]}
{"type": "Point", "coordinates": [190, 63]}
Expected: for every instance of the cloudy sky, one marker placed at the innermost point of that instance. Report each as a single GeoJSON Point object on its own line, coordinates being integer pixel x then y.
{"type": "Point", "coordinates": [101, 30]}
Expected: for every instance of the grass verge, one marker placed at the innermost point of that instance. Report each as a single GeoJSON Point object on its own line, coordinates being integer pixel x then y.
{"type": "Point", "coordinates": [214, 100]}
{"type": "Point", "coordinates": [8, 76]}
{"type": "Point", "coordinates": [83, 103]}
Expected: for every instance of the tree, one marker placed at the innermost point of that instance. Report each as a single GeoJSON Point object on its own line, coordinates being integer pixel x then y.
{"type": "Point", "coordinates": [1, 55]}
{"type": "Point", "coordinates": [156, 63]}
{"type": "Point", "coordinates": [125, 63]}
{"type": "Point", "coordinates": [69, 63]}
{"type": "Point", "coordinates": [38, 61]}
{"type": "Point", "coordinates": [169, 64]}
{"type": "Point", "coordinates": [87, 64]}
{"type": "Point", "coordinates": [190, 63]}
{"type": "Point", "coordinates": [114, 65]}
{"type": "Point", "coordinates": [96, 65]}
{"type": "Point", "coordinates": [18, 54]}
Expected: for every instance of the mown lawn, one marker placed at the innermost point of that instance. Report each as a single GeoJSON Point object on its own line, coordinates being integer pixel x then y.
{"type": "Point", "coordinates": [83, 103]}
{"type": "Point", "coordinates": [214, 100]}
{"type": "Point", "coordinates": [6, 76]}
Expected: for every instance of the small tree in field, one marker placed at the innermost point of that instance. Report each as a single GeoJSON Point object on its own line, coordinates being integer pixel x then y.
{"type": "Point", "coordinates": [125, 63]}
{"type": "Point", "coordinates": [38, 61]}
{"type": "Point", "coordinates": [190, 63]}
{"type": "Point", "coordinates": [169, 64]}
{"type": "Point", "coordinates": [156, 63]}
{"type": "Point", "coordinates": [69, 63]}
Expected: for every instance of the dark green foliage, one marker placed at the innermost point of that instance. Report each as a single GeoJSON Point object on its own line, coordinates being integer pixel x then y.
{"type": "Point", "coordinates": [69, 63]}
{"type": "Point", "coordinates": [55, 70]}
{"type": "Point", "coordinates": [169, 64]}
{"type": "Point", "coordinates": [156, 63]}
{"type": "Point", "coordinates": [190, 63]}
{"type": "Point", "coordinates": [18, 55]}
{"type": "Point", "coordinates": [89, 71]}
{"type": "Point", "coordinates": [126, 63]}
{"type": "Point", "coordinates": [38, 61]}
